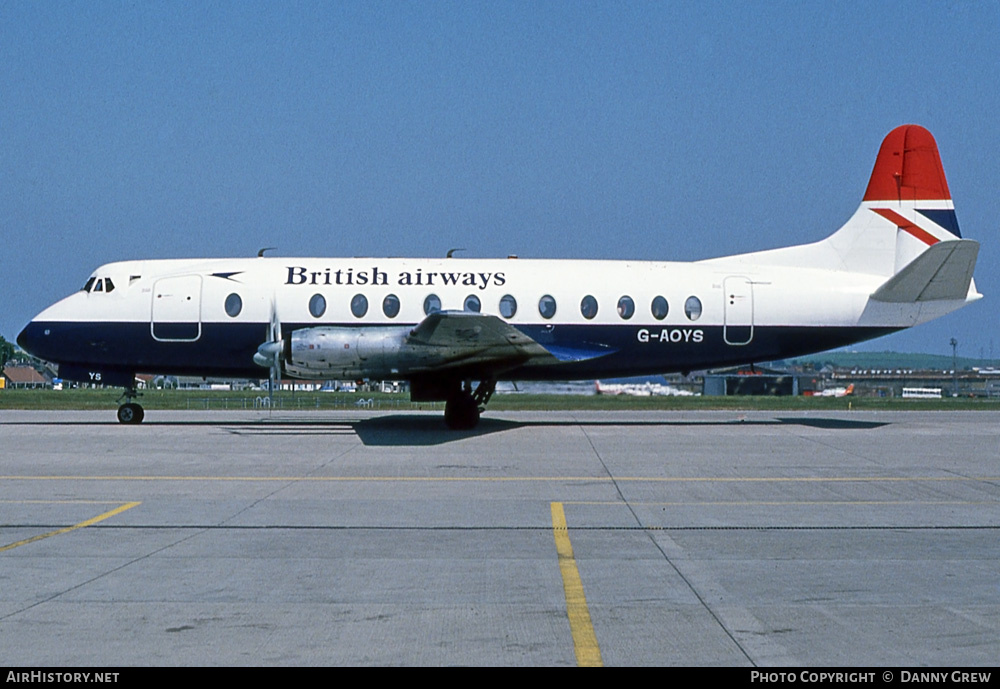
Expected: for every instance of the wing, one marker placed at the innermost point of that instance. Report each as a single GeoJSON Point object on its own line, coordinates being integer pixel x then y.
{"type": "Point", "coordinates": [466, 340]}
{"type": "Point", "coordinates": [462, 339]}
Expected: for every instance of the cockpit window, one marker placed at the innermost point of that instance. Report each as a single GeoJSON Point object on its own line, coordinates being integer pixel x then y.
{"type": "Point", "coordinates": [99, 285]}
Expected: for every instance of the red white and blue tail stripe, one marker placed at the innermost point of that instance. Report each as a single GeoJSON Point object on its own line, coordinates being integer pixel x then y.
{"type": "Point", "coordinates": [908, 187]}
{"type": "Point", "coordinates": [904, 234]}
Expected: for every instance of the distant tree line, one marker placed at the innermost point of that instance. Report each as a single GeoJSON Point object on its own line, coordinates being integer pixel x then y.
{"type": "Point", "coordinates": [11, 352]}
{"type": "Point", "coordinates": [6, 351]}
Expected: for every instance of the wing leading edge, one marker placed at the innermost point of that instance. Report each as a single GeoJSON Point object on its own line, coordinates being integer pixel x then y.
{"type": "Point", "coordinates": [463, 339]}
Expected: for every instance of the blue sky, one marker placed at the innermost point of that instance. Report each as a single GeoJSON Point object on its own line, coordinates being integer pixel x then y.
{"type": "Point", "coordinates": [641, 130]}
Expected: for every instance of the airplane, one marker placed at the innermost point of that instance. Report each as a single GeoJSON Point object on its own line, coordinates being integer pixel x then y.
{"type": "Point", "coordinates": [639, 390]}
{"type": "Point", "coordinates": [831, 392]}
{"type": "Point", "coordinates": [443, 324]}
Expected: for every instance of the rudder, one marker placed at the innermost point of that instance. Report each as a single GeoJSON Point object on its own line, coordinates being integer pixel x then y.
{"type": "Point", "coordinates": [907, 207]}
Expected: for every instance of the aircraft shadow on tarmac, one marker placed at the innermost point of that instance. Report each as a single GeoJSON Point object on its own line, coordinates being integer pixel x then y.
{"type": "Point", "coordinates": [403, 430]}
{"type": "Point", "coordinates": [418, 430]}
{"type": "Point", "coordinates": [414, 430]}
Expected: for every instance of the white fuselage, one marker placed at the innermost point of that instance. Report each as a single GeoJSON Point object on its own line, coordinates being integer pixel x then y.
{"type": "Point", "coordinates": [171, 315]}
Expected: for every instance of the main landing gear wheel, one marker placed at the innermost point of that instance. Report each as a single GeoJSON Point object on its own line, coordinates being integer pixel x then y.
{"type": "Point", "coordinates": [463, 407]}
{"type": "Point", "coordinates": [130, 413]}
{"type": "Point", "coordinates": [461, 411]}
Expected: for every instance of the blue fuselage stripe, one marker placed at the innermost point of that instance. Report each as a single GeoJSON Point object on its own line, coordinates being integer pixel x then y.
{"type": "Point", "coordinates": [227, 349]}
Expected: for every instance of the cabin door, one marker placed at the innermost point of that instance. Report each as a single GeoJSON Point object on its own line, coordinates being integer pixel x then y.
{"type": "Point", "coordinates": [176, 313]}
{"type": "Point", "coordinates": [737, 327]}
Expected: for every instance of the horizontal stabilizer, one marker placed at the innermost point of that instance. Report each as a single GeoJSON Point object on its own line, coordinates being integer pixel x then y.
{"type": "Point", "coordinates": [943, 271]}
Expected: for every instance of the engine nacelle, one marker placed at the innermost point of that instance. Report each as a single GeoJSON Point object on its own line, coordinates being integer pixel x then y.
{"type": "Point", "coordinates": [346, 352]}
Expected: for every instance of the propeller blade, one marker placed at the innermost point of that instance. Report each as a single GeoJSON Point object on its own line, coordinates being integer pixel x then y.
{"type": "Point", "coordinates": [269, 354]}
{"type": "Point", "coordinates": [278, 345]}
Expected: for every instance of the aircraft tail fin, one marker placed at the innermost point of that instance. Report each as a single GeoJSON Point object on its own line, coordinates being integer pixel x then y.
{"type": "Point", "coordinates": [907, 207]}
{"type": "Point", "coordinates": [906, 210]}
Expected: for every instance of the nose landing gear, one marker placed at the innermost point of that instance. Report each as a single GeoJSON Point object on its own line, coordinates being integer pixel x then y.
{"type": "Point", "coordinates": [130, 412]}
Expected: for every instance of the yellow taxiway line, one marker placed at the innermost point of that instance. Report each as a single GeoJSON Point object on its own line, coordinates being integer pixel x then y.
{"type": "Point", "coordinates": [88, 522]}
{"type": "Point", "coordinates": [588, 653]}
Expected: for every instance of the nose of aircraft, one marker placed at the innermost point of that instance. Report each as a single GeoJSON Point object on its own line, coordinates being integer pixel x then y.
{"type": "Point", "coordinates": [52, 334]}
{"type": "Point", "coordinates": [30, 339]}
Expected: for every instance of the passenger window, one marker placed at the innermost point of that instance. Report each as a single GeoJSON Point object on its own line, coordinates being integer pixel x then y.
{"type": "Point", "coordinates": [109, 286]}
{"type": "Point", "coordinates": [359, 305]}
{"type": "Point", "coordinates": [472, 303]}
{"type": "Point", "coordinates": [626, 307]}
{"type": "Point", "coordinates": [431, 304]}
{"type": "Point", "coordinates": [547, 306]}
{"type": "Point", "coordinates": [508, 306]}
{"type": "Point", "coordinates": [588, 307]}
{"type": "Point", "coordinates": [317, 305]}
{"type": "Point", "coordinates": [660, 308]}
{"type": "Point", "coordinates": [234, 305]}
{"type": "Point", "coordinates": [692, 308]}
{"type": "Point", "coordinates": [390, 305]}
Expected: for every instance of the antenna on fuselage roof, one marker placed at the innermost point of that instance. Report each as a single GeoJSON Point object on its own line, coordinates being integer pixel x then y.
{"type": "Point", "coordinates": [452, 251]}
{"type": "Point", "coordinates": [260, 254]}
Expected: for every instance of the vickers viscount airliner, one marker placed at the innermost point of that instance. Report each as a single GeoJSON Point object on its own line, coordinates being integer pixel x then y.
{"type": "Point", "coordinates": [447, 324]}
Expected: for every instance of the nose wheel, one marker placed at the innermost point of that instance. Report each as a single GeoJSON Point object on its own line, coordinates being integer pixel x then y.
{"type": "Point", "coordinates": [130, 412]}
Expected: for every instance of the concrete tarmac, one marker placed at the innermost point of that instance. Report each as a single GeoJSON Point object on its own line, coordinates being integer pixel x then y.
{"type": "Point", "coordinates": [660, 538]}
